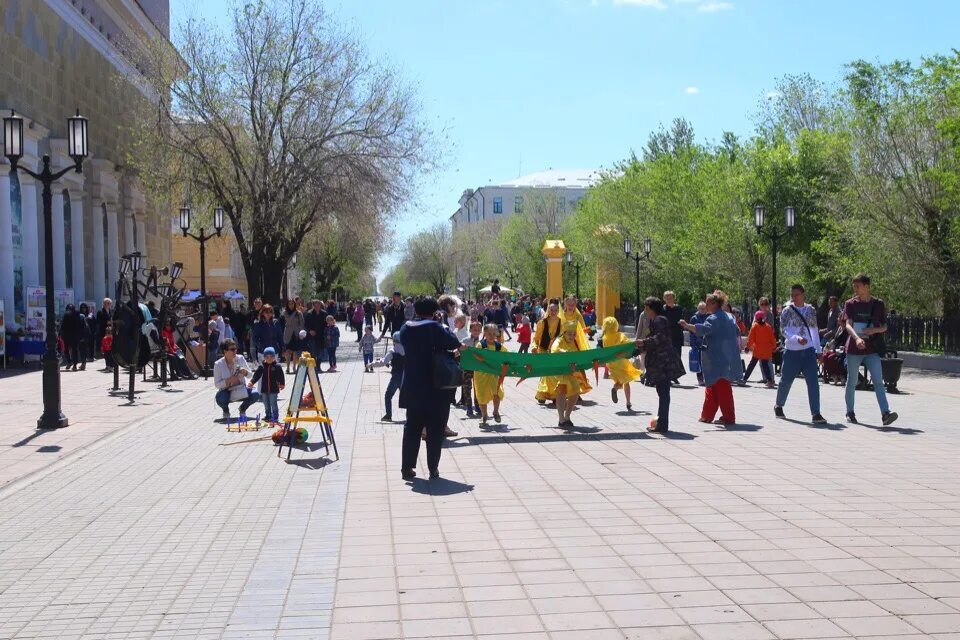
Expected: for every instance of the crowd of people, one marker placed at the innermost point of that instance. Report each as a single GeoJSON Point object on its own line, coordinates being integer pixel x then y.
{"type": "Point", "coordinates": [418, 330]}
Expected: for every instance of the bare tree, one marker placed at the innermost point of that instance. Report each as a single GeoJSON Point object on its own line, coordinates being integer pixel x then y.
{"type": "Point", "coordinates": [430, 256]}
{"type": "Point", "coordinates": [285, 122]}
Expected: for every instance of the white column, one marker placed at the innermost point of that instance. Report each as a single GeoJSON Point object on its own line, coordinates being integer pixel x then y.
{"type": "Point", "coordinates": [142, 235]}
{"type": "Point", "coordinates": [6, 249]}
{"type": "Point", "coordinates": [30, 230]}
{"type": "Point", "coordinates": [76, 240]}
{"type": "Point", "coordinates": [129, 245]}
{"type": "Point", "coordinates": [59, 242]}
{"type": "Point", "coordinates": [98, 282]}
{"type": "Point", "coordinates": [113, 246]}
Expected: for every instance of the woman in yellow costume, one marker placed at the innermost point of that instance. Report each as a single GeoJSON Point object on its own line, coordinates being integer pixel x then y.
{"type": "Point", "coordinates": [548, 330]}
{"type": "Point", "coordinates": [570, 313]}
{"type": "Point", "coordinates": [487, 386]}
{"type": "Point", "coordinates": [568, 386]}
{"type": "Point", "coordinates": [622, 371]}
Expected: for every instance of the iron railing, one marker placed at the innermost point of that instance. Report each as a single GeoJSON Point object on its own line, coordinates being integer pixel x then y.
{"type": "Point", "coordinates": [930, 335]}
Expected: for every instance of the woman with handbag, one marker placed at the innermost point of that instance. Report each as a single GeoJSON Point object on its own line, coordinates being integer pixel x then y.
{"type": "Point", "coordinates": [429, 382]}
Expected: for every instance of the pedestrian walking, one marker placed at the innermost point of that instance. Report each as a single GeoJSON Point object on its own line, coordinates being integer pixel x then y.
{"type": "Point", "coordinates": [293, 324]}
{"type": "Point", "coordinates": [427, 406]}
{"type": "Point", "coordinates": [394, 359]}
{"type": "Point", "coordinates": [721, 360]}
{"type": "Point", "coordinates": [696, 343]}
{"type": "Point", "coordinates": [267, 332]}
{"type": "Point", "coordinates": [662, 363]}
{"type": "Point", "coordinates": [524, 334]}
{"type": "Point", "coordinates": [798, 322]}
{"type": "Point", "coordinates": [567, 387]}
{"type": "Point", "coordinates": [366, 348]}
{"type": "Point", "coordinates": [866, 322]}
{"type": "Point", "coordinates": [674, 315]}
{"type": "Point", "coordinates": [331, 340]}
{"type": "Point", "coordinates": [761, 342]}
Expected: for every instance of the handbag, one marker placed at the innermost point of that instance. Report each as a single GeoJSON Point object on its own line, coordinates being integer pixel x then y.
{"type": "Point", "coordinates": [878, 341]}
{"type": "Point", "coordinates": [447, 373]}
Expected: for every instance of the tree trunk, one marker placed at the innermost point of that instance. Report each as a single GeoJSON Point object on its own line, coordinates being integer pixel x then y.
{"type": "Point", "coordinates": [265, 277]}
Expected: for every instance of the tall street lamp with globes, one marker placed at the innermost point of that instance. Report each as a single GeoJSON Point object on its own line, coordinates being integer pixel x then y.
{"type": "Point", "coordinates": [774, 234]}
{"type": "Point", "coordinates": [52, 417]}
{"type": "Point", "coordinates": [202, 239]}
{"type": "Point", "coordinates": [577, 265]}
{"type": "Point", "coordinates": [637, 257]}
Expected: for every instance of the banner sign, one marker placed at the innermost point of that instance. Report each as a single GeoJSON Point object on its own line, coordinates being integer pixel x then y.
{"type": "Point", "coordinates": [529, 365]}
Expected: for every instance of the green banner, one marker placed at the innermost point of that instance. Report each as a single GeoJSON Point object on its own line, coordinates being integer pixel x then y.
{"type": "Point", "coordinates": [535, 365]}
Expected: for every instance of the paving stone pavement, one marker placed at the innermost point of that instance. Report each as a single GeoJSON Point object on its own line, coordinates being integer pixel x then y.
{"type": "Point", "coordinates": [773, 529]}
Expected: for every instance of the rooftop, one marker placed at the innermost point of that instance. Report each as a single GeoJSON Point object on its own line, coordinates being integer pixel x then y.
{"type": "Point", "coordinates": [574, 178]}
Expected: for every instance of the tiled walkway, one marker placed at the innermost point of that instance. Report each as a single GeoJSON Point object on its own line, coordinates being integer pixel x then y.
{"type": "Point", "coordinates": [774, 529]}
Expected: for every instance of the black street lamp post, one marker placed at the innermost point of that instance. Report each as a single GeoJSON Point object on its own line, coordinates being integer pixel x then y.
{"type": "Point", "coordinates": [202, 239]}
{"type": "Point", "coordinates": [774, 234]}
{"type": "Point", "coordinates": [131, 263]}
{"type": "Point", "coordinates": [52, 417]}
{"type": "Point", "coordinates": [637, 258]}
{"type": "Point", "coordinates": [577, 265]}
{"type": "Point", "coordinates": [512, 276]}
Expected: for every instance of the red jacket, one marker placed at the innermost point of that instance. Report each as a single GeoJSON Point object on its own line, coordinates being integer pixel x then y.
{"type": "Point", "coordinates": [523, 334]}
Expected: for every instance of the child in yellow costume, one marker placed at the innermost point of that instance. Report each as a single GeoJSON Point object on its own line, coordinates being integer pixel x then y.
{"type": "Point", "coordinates": [568, 386]}
{"type": "Point", "coordinates": [570, 313]}
{"type": "Point", "coordinates": [622, 371]}
{"type": "Point", "coordinates": [487, 386]}
{"type": "Point", "coordinates": [548, 330]}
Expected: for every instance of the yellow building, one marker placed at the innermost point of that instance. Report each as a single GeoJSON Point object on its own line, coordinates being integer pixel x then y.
{"type": "Point", "coordinates": [224, 266]}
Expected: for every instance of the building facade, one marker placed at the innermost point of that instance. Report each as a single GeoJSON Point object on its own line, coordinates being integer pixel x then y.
{"type": "Point", "coordinates": [223, 262]}
{"type": "Point", "coordinates": [559, 189]}
{"type": "Point", "coordinates": [61, 56]}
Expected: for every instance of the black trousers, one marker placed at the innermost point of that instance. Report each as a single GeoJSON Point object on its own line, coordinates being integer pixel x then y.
{"type": "Point", "coordinates": [435, 420]}
{"type": "Point", "coordinates": [663, 408]}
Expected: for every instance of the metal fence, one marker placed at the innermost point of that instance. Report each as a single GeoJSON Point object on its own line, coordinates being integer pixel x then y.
{"type": "Point", "coordinates": [931, 335]}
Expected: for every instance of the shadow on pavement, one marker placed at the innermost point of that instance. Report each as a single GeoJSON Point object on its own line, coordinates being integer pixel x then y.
{"type": "Point", "coordinates": [832, 426]}
{"type": "Point", "coordinates": [737, 426]}
{"type": "Point", "coordinates": [310, 463]}
{"type": "Point", "coordinates": [566, 437]}
{"type": "Point", "coordinates": [907, 431]}
{"type": "Point", "coordinates": [635, 412]}
{"type": "Point", "coordinates": [439, 487]}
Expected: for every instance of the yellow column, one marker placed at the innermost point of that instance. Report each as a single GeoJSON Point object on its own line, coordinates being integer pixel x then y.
{"type": "Point", "coordinates": [608, 292]}
{"type": "Point", "coordinates": [553, 253]}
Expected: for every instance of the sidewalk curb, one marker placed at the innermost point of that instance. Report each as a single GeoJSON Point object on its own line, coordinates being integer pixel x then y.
{"type": "Point", "coordinates": [14, 486]}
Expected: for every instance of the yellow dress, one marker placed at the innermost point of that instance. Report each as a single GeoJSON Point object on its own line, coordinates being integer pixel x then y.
{"type": "Point", "coordinates": [546, 391]}
{"type": "Point", "coordinates": [576, 316]}
{"type": "Point", "coordinates": [622, 371]}
{"type": "Point", "coordinates": [485, 384]}
{"type": "Point", "coordinates": [572, 381]}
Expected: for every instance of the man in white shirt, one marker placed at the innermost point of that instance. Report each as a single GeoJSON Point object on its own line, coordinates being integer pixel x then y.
{"type": "Point", "coordinates": [798, 321]}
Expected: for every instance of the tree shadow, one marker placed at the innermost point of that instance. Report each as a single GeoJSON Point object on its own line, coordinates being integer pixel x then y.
{"type": "Point", "coordinates": [439, 487]}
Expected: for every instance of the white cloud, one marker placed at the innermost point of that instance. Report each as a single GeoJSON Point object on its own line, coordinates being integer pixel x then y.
{"type": "Point", "coordinates": [691, 91]}
{"type": "Point", "coordinates": [713, 6]}
{"type": "Point", "coordinates": [653, 4]}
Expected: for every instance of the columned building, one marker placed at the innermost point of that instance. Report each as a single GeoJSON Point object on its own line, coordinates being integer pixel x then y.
{"type": "Point", "coordinates": [60, 56]}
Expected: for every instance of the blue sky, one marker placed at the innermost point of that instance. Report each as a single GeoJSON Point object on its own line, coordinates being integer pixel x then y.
{"type": "Point", "coordinates": [525, 85]}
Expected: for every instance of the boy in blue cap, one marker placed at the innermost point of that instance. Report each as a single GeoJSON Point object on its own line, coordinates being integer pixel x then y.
{"type": "Point", "coordinates": [270, 375]}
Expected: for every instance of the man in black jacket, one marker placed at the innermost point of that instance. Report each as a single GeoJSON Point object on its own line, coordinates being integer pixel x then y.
{"type": "Point", "coordinates": [393, 316]}
{"type": "Point", "coordinates": [314, 322]}
{"type": "Point", "coordinates": [674, 314]}
{"type": "Point", "coordinates": [427, 407]}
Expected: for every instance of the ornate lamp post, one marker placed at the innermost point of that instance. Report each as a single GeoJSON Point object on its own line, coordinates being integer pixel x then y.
{"type": "Point", "coordinates": [52, 417]}
{"type": "Point", "coordinates": [774, 234]}
{"type": "Point", "coordinates": [131, 263]}
{"type": "Point", "coordinates": [202, 239]}
{"type": "Point", "coordinates": [577, 265]}
{"type": "Point", "coordinates": [512, 275]}
{"type": "Point", "coordinates": [637, 258]}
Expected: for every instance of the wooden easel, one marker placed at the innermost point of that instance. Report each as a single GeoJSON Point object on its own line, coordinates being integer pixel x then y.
{"type": "Point", "coordinates": [316, 412]}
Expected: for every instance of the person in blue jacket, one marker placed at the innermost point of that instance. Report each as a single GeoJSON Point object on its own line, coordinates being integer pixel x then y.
{"type": "Point", "coordinates": [696, 342]}
{"type": "Point", "coordinates": [720, 359]}
{"type": "Point", "coordinates": [427, 407]}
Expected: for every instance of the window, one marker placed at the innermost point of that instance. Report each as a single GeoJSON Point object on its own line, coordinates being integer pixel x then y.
{"type": "Point", "coordinates": [498, 205]}
{"type": "Point", "coordinates": [518, 204]}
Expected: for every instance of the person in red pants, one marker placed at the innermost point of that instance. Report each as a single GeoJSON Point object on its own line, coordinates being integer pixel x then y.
{"type": "Point", "coordinates": [720, 359]}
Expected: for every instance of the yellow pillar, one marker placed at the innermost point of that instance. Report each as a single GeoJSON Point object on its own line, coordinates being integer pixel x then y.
{"type": "Point", "coordinates": [553, 253]}
{"type": "Point", "coordinates": [608, 291]}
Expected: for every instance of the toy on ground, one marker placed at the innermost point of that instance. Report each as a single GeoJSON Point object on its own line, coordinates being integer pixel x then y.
{"type": "Point", "coordinates": [299, 435]}
{"type": "Point", "coordinates": [243, 423]}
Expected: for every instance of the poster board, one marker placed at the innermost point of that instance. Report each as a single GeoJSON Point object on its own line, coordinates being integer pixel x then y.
{"type": "Point", "coordinates": [36, 322]}
{"type": "Point", "coordinates": [310, 408]}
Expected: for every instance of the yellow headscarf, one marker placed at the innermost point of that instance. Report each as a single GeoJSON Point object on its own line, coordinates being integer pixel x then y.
{"type": "Point", "coordinates": [562, 343]}
{"type": "Point", "coordinates": [611, 332]}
